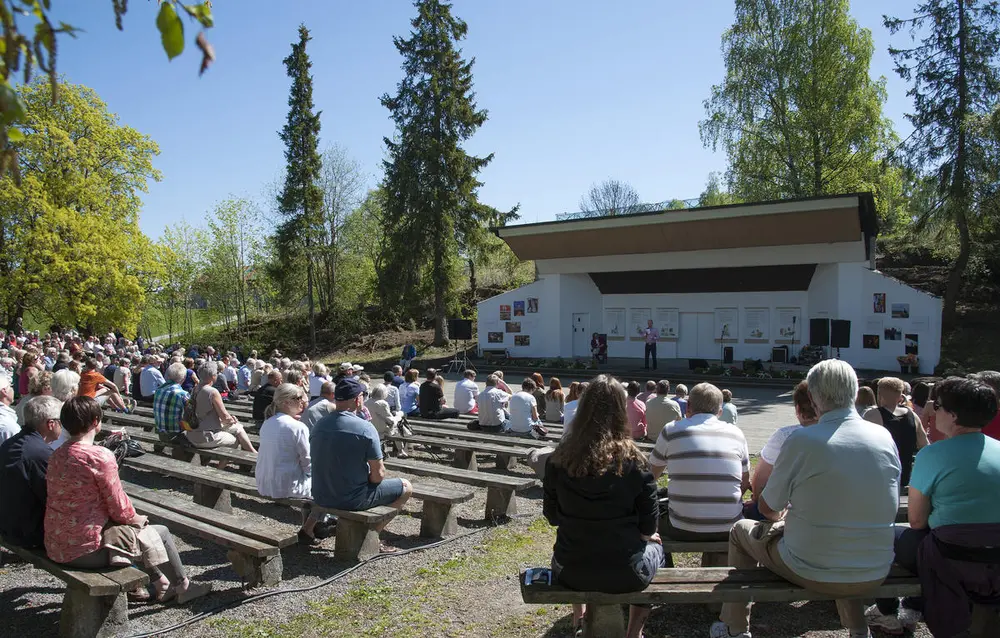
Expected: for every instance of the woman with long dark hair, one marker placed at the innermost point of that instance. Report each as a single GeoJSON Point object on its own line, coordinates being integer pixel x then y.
{"type": "Point", "coordinates": [599, 492]}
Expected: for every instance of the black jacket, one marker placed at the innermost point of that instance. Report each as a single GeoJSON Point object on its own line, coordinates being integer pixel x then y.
{"type": "Point", "coordinates": [24, 461]}
{"type": "Point", "coordinates": [601, 521]}
{"type": "Point", "coordinates": [262, 400]}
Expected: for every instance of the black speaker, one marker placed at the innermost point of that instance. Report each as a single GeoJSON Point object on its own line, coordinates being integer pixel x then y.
{"type": "Point", "coordinates": [727, 354]}
{"type": "Point", "coordinates": [819, 332]}
{"type": "Point", "coordinates": [840, 333]}
{"type": "Point", "coordinates": [460, 329]}
{"type": "Point", "coordinates": [694, 364]}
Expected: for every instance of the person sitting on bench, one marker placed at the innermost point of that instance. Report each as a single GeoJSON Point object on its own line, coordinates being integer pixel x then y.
{"type": "Point", "coordinates": [216, 426]}
{"type": "Point", "coordinates": [904, 426]}
{"type": "Point", "coordinates": [150, 378]}
{"type": "Point", "coordinates": [842, 475]}
{"type": "Point", "coordinates": [600, 494]}
{"type": "Point", "coordinates": [493, 406]}
{"type": "Point", "coordinates": [709, 466]}
{"type": "Point", "coordinates": [385, 420]}
{"type": "Point", "coordinates": [90, 522]}
{"type": "Point", "coordinates": [431, 399]}
{"type": "Point", "coordinates": [264, 395]}
{"type": "Point", "coordinates": [466, 391]}
{"type": "Point", "coordinates": [661, 410]}
{"type": "Point", "coordinates": [954, 498]}
{"type": "Point", "coordinates": [169, 402]}
{"type": "Point", "coordinates": [348, 472]}
{"type": "Point", "coordinates": [409, 393]}
{"type": "Point", "coordinates": [24, 461]}
{"type": "Point", "coordinates": [408, 355]}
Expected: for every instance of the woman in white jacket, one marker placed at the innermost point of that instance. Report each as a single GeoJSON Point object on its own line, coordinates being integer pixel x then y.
{"type": "Point", "coordinates": [386, 421]}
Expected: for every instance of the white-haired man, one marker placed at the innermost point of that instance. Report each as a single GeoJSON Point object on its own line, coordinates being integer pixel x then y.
{"type": "Point", "coordinates": [8, 417]}
{"type": "Point", "coordinates": [842, 475]}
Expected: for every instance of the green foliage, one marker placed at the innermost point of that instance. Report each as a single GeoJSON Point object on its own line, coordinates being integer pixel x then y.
{"type": "Point", "coordinates": [714, 193]}
{"type": "Point", "coordinates": [956, 83]}
{"type": "Point", "coordinates": [432, 210]}
{"type": "Point", "coordinates": [798, 113]}
{"type": "Point", "coordinates": [70, 244]}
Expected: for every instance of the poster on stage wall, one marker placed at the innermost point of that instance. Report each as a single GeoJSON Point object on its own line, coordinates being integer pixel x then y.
{"type": "Point", "coordinates": [504, 312]}
{"type": "Point", "coordinates": [638, 322]}
{"type": "Point", "coordinates": [756, 325]}
{"type": "Point", "coordinates": [518, 308]}
{"type": "Point", "coordinates": [727, 329]}
{"type": "Point", "coordinates": [789, 325]}
{"type": "Point", "coordinates": [667, 321]}
{"type": "Point", "coordinates": [532, 305]}
{"type": "Point", "coordinates": [614, 324]}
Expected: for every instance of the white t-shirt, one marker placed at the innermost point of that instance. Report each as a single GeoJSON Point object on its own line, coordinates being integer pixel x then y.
{"type": "Point", "coordinates": [569, 411]}
{"type": "Point", "coordinates": [465, 395]}
{"type": "Point", "coordinates": [520, 412]}
{"type": "Point", "coordinates": [769, 452]}
{"type": "Point", "coordinates": [492, 403]}
{"type": "Point", "coordinates": [316, 384]}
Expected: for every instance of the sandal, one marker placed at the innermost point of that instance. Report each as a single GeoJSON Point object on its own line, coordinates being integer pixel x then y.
{"type": "Point", "coordinates": [385, 548]}
{"type": "Point", "coordinates": [139, 595]}
{"type": "Point", "coordinates": [194, 590]}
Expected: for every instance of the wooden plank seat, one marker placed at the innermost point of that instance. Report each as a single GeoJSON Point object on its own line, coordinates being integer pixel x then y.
{"type": "Point", "coordinates": [95, 603]}
{"type": "Point", "coordinates": [430, 427]}
{"type": "Point", "coordinates": [254, 549]}
{"type": "Point", "coordinates": [465, 451]}
{"type": "Point", "coordinates": [501, 489]}
{"type": "Point", "coordinates": [711, 585]}
{"type": "Point", "coordinates": [213, 488]}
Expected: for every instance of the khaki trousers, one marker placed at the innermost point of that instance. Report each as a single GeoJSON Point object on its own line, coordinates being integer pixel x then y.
{"type": "Point", "coordinates": [753, 542]}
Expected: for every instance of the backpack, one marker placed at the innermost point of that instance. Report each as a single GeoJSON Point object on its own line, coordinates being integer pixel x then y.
{"type": "Point", "coordinates": [189, 418]}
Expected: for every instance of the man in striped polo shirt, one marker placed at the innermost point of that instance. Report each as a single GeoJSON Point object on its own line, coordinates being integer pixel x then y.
{"type": "Point", "coordinates": [709, 469]}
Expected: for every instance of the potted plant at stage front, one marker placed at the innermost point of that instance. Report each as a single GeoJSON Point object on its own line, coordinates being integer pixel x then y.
{"type": "Point", "coordinates": [908, 363]}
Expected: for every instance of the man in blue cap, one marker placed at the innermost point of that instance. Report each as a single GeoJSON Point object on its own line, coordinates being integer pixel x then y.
{"type": "Point", "coordinates": [348, 472]}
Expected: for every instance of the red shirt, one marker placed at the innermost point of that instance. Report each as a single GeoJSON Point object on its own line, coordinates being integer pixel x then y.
{"type": "Point", "coordinates": [636, 410]}
{"type": "Point", "coordinates": [84, 492]}
{"type": "Point", "coordinates": [992, 428]}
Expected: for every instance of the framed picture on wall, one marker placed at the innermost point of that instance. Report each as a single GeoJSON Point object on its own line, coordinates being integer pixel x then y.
{"type": "Point", "coordinates": [727, 329]}
{"type": "Point", "coordinates": [878, 303]}
{"type": "Point", "coordinates": [756, 325]}
{"type": "Point", "coordinates": [667, 322]}
{"type": "Point", "coordinates": [494, 337]}
{"type": "Point", "coordinates": [532, 305]}
{"type": "Point", "coordinates": [614, 324]}
{"type": "Point", "coordinates": [504, 312]}
{"type": "Point", "coordinates": [518, 308]}
{"type": "Point", "coordinates": [513, 326]}
{"type": "Point", "coordinates": [789, 325]}
{"type": "Point", "coordinates": [522, 340]}
{"type": "Point", "coordinates": [638, 322]}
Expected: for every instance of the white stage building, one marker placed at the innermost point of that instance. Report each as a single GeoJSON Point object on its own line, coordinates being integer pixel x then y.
{"type": "Point", "coordinates": [747, 276]}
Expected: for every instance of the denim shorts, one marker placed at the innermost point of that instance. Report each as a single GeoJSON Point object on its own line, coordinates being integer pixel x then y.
{"type": "Point", "coordinates": [384, 493]}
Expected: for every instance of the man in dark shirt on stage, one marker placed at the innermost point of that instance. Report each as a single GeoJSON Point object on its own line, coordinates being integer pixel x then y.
{"type": "Point", "coordinates": [24, 461]}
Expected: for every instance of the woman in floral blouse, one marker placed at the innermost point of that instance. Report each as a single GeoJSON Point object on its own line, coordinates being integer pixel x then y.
{"type": "Point", "coordinates": [89, 520]}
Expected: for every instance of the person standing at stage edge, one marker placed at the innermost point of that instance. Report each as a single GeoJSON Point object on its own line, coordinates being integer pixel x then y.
{"type": "Point", "coordinates": [651, 334]}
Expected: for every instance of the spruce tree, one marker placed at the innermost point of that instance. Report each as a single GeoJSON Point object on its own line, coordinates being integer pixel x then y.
{"type": "Point", "coordinates": [956, 80]}
{"type": "Point", "coordinates": [301, 199]}
{"type": "Point", "coordinates": [430, 181]}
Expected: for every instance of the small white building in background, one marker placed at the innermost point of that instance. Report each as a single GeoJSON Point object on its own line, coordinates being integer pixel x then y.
{"type": "Point", "coordinates": [752, 277]}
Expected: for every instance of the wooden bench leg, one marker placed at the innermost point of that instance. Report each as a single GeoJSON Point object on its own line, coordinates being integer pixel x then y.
{"type": "Point", "coordinates": [86, 616]}
{"type": "Point", "coordinates": [500, 503]}
{"type": "Point", "coordinates": [604, 621]}
{"type": "Point", "coordinates": [439, 520]}
{"type": "Point", "coordinates": [355, 541]}
{"type": "Point", "coordinates": [714, 559]}
{"type": "Point", "coordinates": [181, 454]}
{"type": "Point", "coordinates": [506, 462]}
{"type": "Point", "coordinates": [466, 460]}
{"type": "Point", "coordinates": [265, 571]}
{"type": "Point", "coordinates": [213, 497]}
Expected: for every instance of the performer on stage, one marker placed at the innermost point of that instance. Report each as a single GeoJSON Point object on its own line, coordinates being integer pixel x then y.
{"type": "Point", "coordinates": [651, 334]}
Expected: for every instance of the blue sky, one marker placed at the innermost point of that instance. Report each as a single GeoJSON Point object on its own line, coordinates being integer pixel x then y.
{"type": "Point", "coordinates": [577, 90]}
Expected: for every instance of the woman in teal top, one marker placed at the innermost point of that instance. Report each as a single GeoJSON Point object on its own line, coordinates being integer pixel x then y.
{"type": "Point", "coordinates": [955, 481]}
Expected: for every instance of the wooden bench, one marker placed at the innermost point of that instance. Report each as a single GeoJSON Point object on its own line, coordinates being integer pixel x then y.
{"type": "Point", "coordinates": [507, 452]}
{"type": "Point", "coordinates": [458, 431]}
{"type": "Point", "coordinates": [254, 549]}
{"type": "Point", "coordinates": [500, 489]}
{"type": "Point", "coordinates": [710, 585]}
{"type": "Point", "coordinates": [213, 488]}
{"type": "Point", "coordinates": [95, 603]}
{"type": "Point", "coordinates": [490, 354]}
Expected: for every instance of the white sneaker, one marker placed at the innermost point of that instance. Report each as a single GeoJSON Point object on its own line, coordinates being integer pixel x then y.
{"type": "Point", "coordinates": [721, 630]}
{"type": "Point", "coordinates": [909, 617]}
{"type": "Point", "coordinates": [888, 624]}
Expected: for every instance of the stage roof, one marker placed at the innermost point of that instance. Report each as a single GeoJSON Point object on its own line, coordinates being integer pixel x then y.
{"type": "Point", "coordinates": [834, 219]}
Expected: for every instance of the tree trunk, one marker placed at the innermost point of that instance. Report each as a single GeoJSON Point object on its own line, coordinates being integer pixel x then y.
{"type": "Point", "coordinates": [312, 305]}
{"type": "Point", "coordinates": [958, 196]}
{"type": "Point", "coordinates": [440, 282]}
{"type": "Point", "coordinates": [473, 289]}
{"type": "Point", "coordinates": [955, 276]}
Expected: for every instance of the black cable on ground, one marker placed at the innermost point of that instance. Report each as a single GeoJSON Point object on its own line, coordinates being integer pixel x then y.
{"type": "Point", "coordinates": [299, 590]}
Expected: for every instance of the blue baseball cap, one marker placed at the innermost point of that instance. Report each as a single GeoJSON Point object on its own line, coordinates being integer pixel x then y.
{"type": "Point", "coordinates": [347, 388]}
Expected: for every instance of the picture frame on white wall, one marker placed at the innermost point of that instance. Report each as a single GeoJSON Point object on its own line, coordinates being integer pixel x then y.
{"type": "Point", "coordinates": [727, 329]}
{"type": "Point", "coordinates": [638, 321]}
{"type": "Point", "coordinates": [756, 325]}
{"type": "Point", "coordinates": [789, 326]}
{"type": "Point", "coordinates": [614, 324]}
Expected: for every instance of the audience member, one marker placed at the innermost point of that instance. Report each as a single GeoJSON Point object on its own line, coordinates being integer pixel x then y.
{"type": "Point", "coordinates": [89, 520]}
{"type": "Point", "coordinates": [555, 401]}
{"type": "Point", "coordinates": [806, 415]}
{"type": "Point", "coordinates": [216, 427]}
{"type": "Point", "coordinates": [636, 411]}
{"type": "Point", "coordinates": [244, 376]}
{"type": "Point", "coordinates": [29, 368]}
{"type": "Point", "coordinates": [492, 402]}
{"type": "Point", "coordinates": [992, 379]}
{"type": "Point", "coordinates": [954, 498]}
{"type": "Point", "coordinates": [680, 397]}
{"type": "Point", "coordinates": [8, 417]}
{"type": "Point", "coordinates": [523, 411]}
{"type": "Point", "coordinates": [709, 466]}
{"type": "Point", "coordinates": [409, 393]}
{"type": "Point", "coordinates": [316, 380]}
{"type": "Point", "coordinates": [918, 401]}
{"type": "Point", "coordinates": [321, 407]}
{"type": "Point", "coordinates": [501, 383]}
{"type": "Point", "coordinates": [902, 423]}
{"type": "Point", "coordinates": [95, 385]}
{"type": "Point", "coordinates": [661, 410]}
{"type": "Point", "coordinates": [24, 461]}
{"type": "Point", "coordinates": [391, 392]}
{"type": "Point", "coordinates": [264, 395]}
{"type": "Point", "coordinates": [843, 477]}
{"type": "Point", "coordinates": [729, 411]}
{"type": "Point", "coordinates": [601, 496]}
{"type": "Point", "coordinates": [169, 401]}
{"type": "Point", "coordinates": [150, 378]}
{"type": "Point", "coordinates": [431, 398]}
{"type": "Point", "coordinates": [569, 410]}
{"type": "Point", "coordinates": [347, 459]}
{"type": "Point", "coordinates": [39, 386]}
{"type": "Point", "coordinates": [865, 401]}
{"type": "Point", "coordinates": [386, 421]}
{"type": "Point", "coordinates": [466, 391]}
{"type": "Point", "coordinates": [648, 393]}
{"type": "Point", "coordinates": [397, 376]}
{"type": "Point", "coordinates": [190, 381]}
{"type": "Point", "coordinates": [539, 393]}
